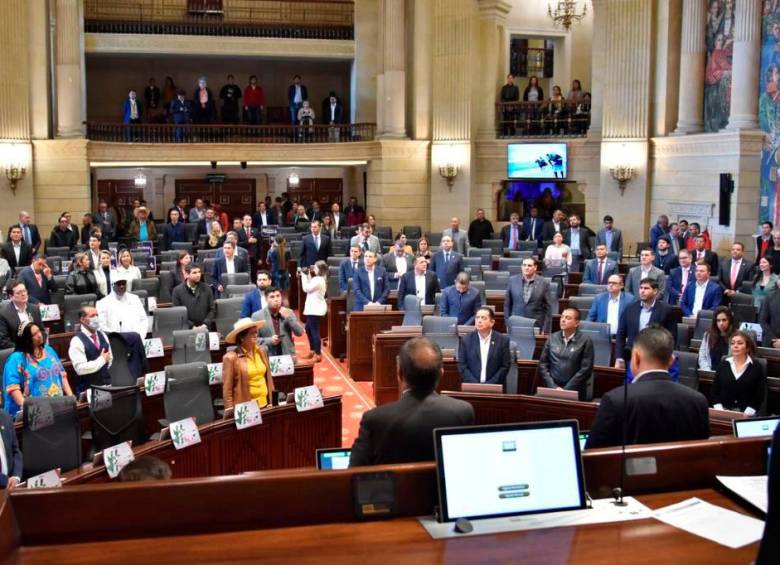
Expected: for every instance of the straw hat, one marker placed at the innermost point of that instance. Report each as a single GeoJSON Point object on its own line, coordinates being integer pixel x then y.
{"type": "Point", "coordinates": [241, 325]}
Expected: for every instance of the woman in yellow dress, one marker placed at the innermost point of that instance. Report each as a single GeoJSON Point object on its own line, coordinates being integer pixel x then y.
{"type": "Point", "coordinates": [246, 374]}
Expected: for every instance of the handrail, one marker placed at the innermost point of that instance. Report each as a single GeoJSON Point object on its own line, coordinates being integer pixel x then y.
{"type": "Point", "coordinates": [542, 118]}
{"type": "Point", "coordinates": [229, 133]}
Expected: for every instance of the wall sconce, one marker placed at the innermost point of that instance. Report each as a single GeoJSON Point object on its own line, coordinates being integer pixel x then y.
{"type": "Point", "coordinates": [622, 174]}
{"type": "Point", "coordinates": [293, 179]}
{"type": "Point", "coordinates": [448, 172]}
{"type": "Point", "coordinates": [140, 180]}
{"type": "Point", "coordinates": [13, 168]}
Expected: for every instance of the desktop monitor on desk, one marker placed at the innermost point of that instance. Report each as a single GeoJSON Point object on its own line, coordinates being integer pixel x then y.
{"type": "Point", "coordinates": [508, 470]}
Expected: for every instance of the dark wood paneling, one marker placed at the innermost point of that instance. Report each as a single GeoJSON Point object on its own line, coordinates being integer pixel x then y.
{"type": "Point", "coordinates": [361, 328]}
{"type": "Point", "coordinates": [236, 196]}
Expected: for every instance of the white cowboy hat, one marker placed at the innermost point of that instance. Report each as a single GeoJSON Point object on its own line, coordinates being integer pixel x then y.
{"type": "Point", "coordinates": [241, 325]}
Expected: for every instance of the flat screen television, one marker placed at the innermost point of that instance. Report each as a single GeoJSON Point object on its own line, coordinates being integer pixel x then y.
{"type": "Point", "coordinates": [537, 161]}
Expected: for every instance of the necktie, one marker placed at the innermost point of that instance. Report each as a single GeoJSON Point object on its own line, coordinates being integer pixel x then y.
{"type": "Point", "coordinates": [317, 242]}
{"type": "Point", "coordinates": [27, 237]}
{"type": "Point", "coordinates": [513, 239]}
{"type": "Point", "coordinates": [446, 257]}
{"type": "Point", "coordinates": [601, 272]}
{"type": "Point", "coordinates": [38, 279]}
{"type": "Point", "coordinates": [734, 273]}
{"type": "Point", "coordinates": [684, 281]}
{"type": "Point", "coordinates": [95, 341]}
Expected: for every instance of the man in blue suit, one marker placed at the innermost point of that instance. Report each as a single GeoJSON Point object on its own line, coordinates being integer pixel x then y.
{"type": "Point", "coordinates": [229, 262]}
{"type": "Point", "coordinates": [598, 270]}
{"type": "Point", "coordinates": [370, 283]}
{"type": "Point", "coordinates": [11, 462]}
{"type": "Point", "coordinates": [256, 300]}
{"type": "Point", "coordinates": [316, 246]}
{"type": "Point", "coordinates": [680, 278]}
{"type": "Point", "coordinates": [659, 229]}
{"type": "Point", "coordinates": [532, 227]}
{"type": "Point", "coordinates": [349, 267]}
{"type": "Point", "coordinates": [648, 310]}
{"type": "Point", "coordinates": [131, 112]}
{"type": "Point", "coordinates": [297, 94]}
{"type": "Point", "coordinates": [610, 236]}
{"type": "Point", "coordinates": [480, 342]}
{"type": "Point", "coordinates": [512, 233]}
{"type": "Point", "coordinates": [608, 306]}
{"type": "Point", "coordinates": [446, 263]}
{"type": "Point", "coordinates": [460, 301]}
{"type": "Point", "coordinates": [704, 294]}
{"type": "Point", "coordinates": [39, 281]}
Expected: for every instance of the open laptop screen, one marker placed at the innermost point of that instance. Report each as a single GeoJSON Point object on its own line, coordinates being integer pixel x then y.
{"type": "Point", "coordinates": [333, 459]}
{"type": "Point", "coordinates": [755, 427]}
{"type": "Point", "coordinates": [506, 470]}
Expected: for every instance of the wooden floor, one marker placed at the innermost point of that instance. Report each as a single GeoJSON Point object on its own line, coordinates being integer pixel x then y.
{"type": "Point", "coordinates": [405, 541]}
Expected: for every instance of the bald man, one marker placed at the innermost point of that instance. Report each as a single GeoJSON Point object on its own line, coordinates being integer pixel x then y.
{"type": "Point", "coordinates": [460, 239]}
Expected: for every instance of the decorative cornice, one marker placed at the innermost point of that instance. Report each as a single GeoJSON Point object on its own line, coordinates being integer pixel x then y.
{"type": "Point", "coordinates": [496, 10]}
{"type": "Point", "coordinates": [741, 142]}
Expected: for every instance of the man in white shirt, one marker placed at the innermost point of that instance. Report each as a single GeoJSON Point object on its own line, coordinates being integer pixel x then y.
{"type": "Point", "coordinates": [645, 270]}
{"type": "Point", "coordinates": [704, 295]}
{"type": "Point", "coordinates": [420, 282]}
{"type": "Point", "coordinates": [608, 306]}
{"type": "Point", "coordinates": [122, 311]}
{"type": "Point", "coordinates": [396, 262]}
{"type": "Point", "coordinates": [94, 252]}
{"type": "Point", "coordinates": [483, 356]}
{"type": "Point", "coordinates": [90, 351]}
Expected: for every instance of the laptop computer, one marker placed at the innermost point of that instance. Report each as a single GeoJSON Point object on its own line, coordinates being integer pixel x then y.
{"type": "Point", "coordinates": [526, 468]}
{"type": "Point", "coordinates": [755, 427]}
{"type": "Point", "coordinates": [545, 392]}
{"type": "Point", "coordinates": [332, 459]}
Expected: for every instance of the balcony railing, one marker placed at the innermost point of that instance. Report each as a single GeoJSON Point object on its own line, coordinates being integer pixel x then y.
{"type": "Point", "coordinates": [309, 19]}
{"type": "Point", "coordinates": [542, 119]}
{"type": "Point", "coordinates": [222, 133]}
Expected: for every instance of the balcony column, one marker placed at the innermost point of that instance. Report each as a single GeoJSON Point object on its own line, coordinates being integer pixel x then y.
{"type": "Point", "coordinates": [745, 65]}
{"type": "Point", "coordinates": [493, 52]}
{"type": "Point", "coordinates": [391, 81]}
{"type": "Point", "coordinates": [598, 48]}
{"type": "Point", "coordinates": [70, 95]}
{"type": "Point", "coordinates": [692, 57]}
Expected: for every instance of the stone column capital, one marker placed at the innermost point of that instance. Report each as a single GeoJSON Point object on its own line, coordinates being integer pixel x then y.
{"type": "Point", "coordinates": [494, 10]}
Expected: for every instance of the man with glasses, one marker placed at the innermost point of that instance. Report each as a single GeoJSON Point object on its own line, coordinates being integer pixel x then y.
{"type": "Point", "coordinates": [608, 306]}
{"type": "Point", "coordinates": [16, 311]}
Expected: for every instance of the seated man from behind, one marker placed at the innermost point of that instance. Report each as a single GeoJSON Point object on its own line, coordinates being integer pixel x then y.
{"type": "Point", "coordinates": [460, 300]}
{"type": "Point", "coordinates": [402, 431]}
{"type": "Point", "coordinates": [280, 324]}
{"type": "Point", "coordinates": [483, 356]}
{"type": "Point", "coordinates": [145, 468]}
{"type": "Point", "coordinates": [566, 362]}
{"type": "Point", "coordinates": [658, 409]}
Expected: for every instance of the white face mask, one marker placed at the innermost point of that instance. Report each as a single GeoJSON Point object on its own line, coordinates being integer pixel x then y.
{"type": "Point", "coordinates": [93, 323]}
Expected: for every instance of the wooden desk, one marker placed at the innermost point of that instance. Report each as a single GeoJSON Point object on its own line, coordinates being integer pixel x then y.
{"type": "Point", "coordinates": [285, 439]}
{"type": "Point", "coordinates": [337, 326]}
{"type": "Point", "coordinates": [362, 327]}
{"type": "Point", "coordinates": [303, 507]}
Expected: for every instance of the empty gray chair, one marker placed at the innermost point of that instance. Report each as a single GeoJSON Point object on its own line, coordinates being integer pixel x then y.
{"type": "Point", "coordinates": [58, 251]}
{"type": "Point", "coordinates": [505, 262]}
{"type": "Point", "coordinates": [436, 304]}
{"type": "Point", "coordinates": [60, 280]}
{"type": "Point", "coordinates": [120, 372]}
{"type": "Point", "coordinates": [164, 294]}
{"type": "Point", "coordinates": [235, 279]}
{"type": "Point", "coordinates": [744, 312]}
{"type": "Point", "coordinates": [480, 286]}
{"type": "Point", "coordinates": [295, 247]}
{"type": "Point", "coordinates": [683, 338]}
{"type": "Point", "coordinates": [334, 262]}
{"type": "Point", "coordinates": [208, 270]}
{"type": "Point", "coordinates": [350, 297]}
{"type": "Point", "coordinates": [171, 255]}
{"type": "Point", "coordinates": [117, 415]}
{"type": "Point", "coordinates": [384, 232]}
{"type": "Point", "coordinates": [587, 289]}
{"type": "Point", "coordinates": [434, 239]}
{"type": "Point", "coordinates": [445, 340]}
{"type": "Point", "coordinates": [182, 245]}
{"type": "Point", "coordinates": [52, 446]}
{"type": "Point", "coordinates": [167, 266]}
{"type": "Point", "coordinates": [581, 303]}
{"type": "Point", "coordinates": [206, 254]}
{"type": "Point", "coordinates": [527, 246]}
{"type": "Point", "coordinates": [190, 230]}
{"type": "Point", "coordinates": [4, 354]}
{"type": "Point", "coordinates": [167, 320]}
{"type": "Point", "coordinates": [412, 232]}
{"type": "Point", "coordinates": [188, 394]}
{"type": "Point", "coordinates": [473, 266]}
{"type": "Point", "coordinates": [510, 386]}
{"type": "Point", "coordinates": [496, 246]}
{"type": "Point", "coordinates": [599, 334]}
{"type": "Point", "coordinates": [440, 325]}
{"type": "Point", "coordinates": [688, 363]}
{"type": "Point", "coordinates": [412, 311]}
{"type": "Point", "coordinates": [485, 255]}
{"type": "Point", "coordinates": [237, 290]}
{"type": "Point", "coordinates": [601, 328]}
{"type": "Point", "coordinates": [332, 285]}
{"type": "Point", "coordinates": [520, 322]}
{"type": "Point", "coordinates": [521, 254]}
{"type": "Point", "coordinates": [226, 312]}
{"type": "Point", "coordinates": [339, 247]}
{"type": "Point", "coordinates": [190, 346]}
{"type": "Point", "coordinates": [703, 323]}
{"type": "Point", "coordinates": [495, 280]}
{"type": "Point", "coordinates": [73, 303]}
{"type": "Point", "coordinates": [523, 340]}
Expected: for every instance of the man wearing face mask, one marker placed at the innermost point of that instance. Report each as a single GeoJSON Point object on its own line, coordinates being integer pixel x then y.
{"type": "Point", "coordinates": [90, 351]}
{"type": "Point", "coordinates": [122, 311]}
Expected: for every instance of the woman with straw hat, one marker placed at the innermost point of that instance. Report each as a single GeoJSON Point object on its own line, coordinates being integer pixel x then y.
{"type": "Point", "coordinates": [246, 373]}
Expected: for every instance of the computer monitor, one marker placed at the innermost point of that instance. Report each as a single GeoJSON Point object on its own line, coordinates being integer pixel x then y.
{"type": "Point", "coordinates": [755, 427]}
{"type": "Point", "coordinates": [508, 470]}
{"type": "Point", "coordinates": [333, 459]}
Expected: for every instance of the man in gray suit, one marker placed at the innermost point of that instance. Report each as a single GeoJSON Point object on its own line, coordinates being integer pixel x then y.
{"type": "Point", "coordinates": [402, 431]}
{"type": "Point", "coordinates": [366, 241]}
{"type": "Point", "coordinates": [567, 358]}
{"type": "Point", "coordinates": [611, 237]}
{"type": "Point", "coordinates": [280, 325]}
{"type": "Point", "coordinates": [528, 295]}
{"type": "Point", "coordinates": [460, 239]}
{"type": "Point", "coordinates": [645, 270]}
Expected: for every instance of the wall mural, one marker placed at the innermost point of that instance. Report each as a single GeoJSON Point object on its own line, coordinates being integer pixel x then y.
{"type": "Point", "coordinates": [717, 76]}
{"type": "Point", "coordinates": [768, 104]}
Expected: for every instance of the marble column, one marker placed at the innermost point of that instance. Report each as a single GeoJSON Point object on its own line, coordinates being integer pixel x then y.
{"type": "Point", "coordinates": [68, 66]}
{"type": "Point", "coordinates": [598, 47]}
{"type": "Point", "coordinates": [391, 83]}
{"type": "Point", "coordinates": [745, 66]}
{"type": "Point", "coordinates": [692, 58]}
{"type": "Point", "coordinates": [492, 31]}
{"type": "Point", "coordinates": [14, 71]}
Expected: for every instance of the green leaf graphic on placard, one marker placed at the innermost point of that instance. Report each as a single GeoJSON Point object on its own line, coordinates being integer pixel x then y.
{"type": "Point", "coordinates": [301, 397]}
{"type": "Point", "coordinates": [147, 347]}
{"type": "Point", "coordinates": [111, 462]}
{"type": "Point", "coordinates": [275, 365]}
{"type": "Point", "coordinates": [178, 435]}
{"type": "Point", "coordinates": [151, 383]}
{"type": "Point", "coordinates": [241, 414]}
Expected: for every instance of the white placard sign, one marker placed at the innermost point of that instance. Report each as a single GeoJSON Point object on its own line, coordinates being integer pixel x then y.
{"type": "Point", "coordinates": [215, 373]}
{"type": "Point", "coordinates": [184, 433]}
{"type": "Point", "coordinates": [308, 398]}
{"type": "Point", "coordinates": [151, 303]}
{"type": "Point", "coordinates": [213, 341]}
{"type": "Point", "coordinates": [247, 414]}
{"type": "Point", "coordinates": [49, 312]}
{"type": "Point", "coordinates": [154, 383]}
{"type": "Point", "coordinates": [281, 365]}
{"type": "Point", "coordinates": [49, 479]}
{"type": "Point", "coordinates": [116, 457]}
{"type": "Point", "coordinates": [153, 347]}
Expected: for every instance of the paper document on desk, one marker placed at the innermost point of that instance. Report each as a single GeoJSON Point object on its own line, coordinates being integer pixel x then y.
{"type": "Point", "coordinates": [712, 522]}
{"type": "Point", "coordinates": [751, 488]}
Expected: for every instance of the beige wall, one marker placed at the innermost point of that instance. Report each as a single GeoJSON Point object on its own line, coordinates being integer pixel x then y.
{"type": "Point", "coordinates": [110, 77]}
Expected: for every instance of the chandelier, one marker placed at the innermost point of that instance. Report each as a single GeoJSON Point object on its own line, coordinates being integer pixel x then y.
{"type": "Point", "coordinates": [566, 14]}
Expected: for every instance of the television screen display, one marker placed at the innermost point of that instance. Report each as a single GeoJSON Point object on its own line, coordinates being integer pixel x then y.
{"type": "Point", "coordinates": [537, 160]}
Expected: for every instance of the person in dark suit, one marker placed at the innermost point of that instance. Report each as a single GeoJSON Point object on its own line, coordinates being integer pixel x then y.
{"type": "Point", "coordinates": [204, 224]}
{"type": "Point", "coordinates": [533, 226]}
{"type": "Point", "coordinates": [339, 218]}
{"type": "Point", "coordinates": [529, 296]}
{"type": "Point", "coordinates": [599, 269]}
{"type": "Point", "coordinates": [396, 262]}
{"type": "Point", "coordinates": [567, 359]}
{"type": "Point", "coordinates": [174, 230]}
{"type": "Point", "coordinates": [204, 106]}
{"type": "Point", "coordinates": [665, 259]}
{"type": "Point", "coordinates": [349, 267]}
{"type": "Point", "coordinates": [607, 307]}
{"type": "Point", "coordinates": [17, 306]}
{"type": "Point", "coordinates": [611, 237]}
{"type": "Point", "coordinates": [11, 464]}
{"type": "Point", "coordinates": [402, 431]}
{"type": "Point", "coordinates": [420, 282]}
{"type": "Point", "coordinates": [229, 262]}
{"type": "Point", "coordinates": [764, 241]}
{"type": "Point", "coordinates": [332, 110]}
{"type": "Point", "coordinates": [256, 299]}
{"type": "Point", "coordinates": [556, 225]}
{"type": "Point", "coordinates": [107, 221]}
{"type": "Point", "coordinates": [316, 246]}
{"type": "Point", "coordinates": [703, 294]}
{"type": "Point", "coordinates": [650, 309]}
{"type": "Point", "coordinates": [700, 253]}
{"type": "Point", "coordinates": [178, 205]}
{"type": "Point", "coordinates": [249, 239]}
{"type": "Point", "coordinates": [657, 408]}
{"type": "Point", "coordinates": [446, 263]}
{"type": "Point", "coordinates": [30, 232]}
{"type": "Point", "coordinates": [660, 228]}
{"type": "Point", "coordinates": [460, 301]}
{"type": "Point", "coordinates": [769, 318]}
{"type": "Point", "coordinates": [739, 382]}
{"type": "Point", "coordinates": [735, 271]}
{"type": "Point", "coordinates": [370, 283]}
{"type": "Point", "coordinates": [577, 237]}
{"type": "Point", "coordinates": [62, 235]}
{"type": "Point", "coordinates": [131, 110]}
{"type": "Point", "coordinates": [263, 217]}
{"type": "Point", "coordinates": [680, 278]}
{"type": "Point", "coordinates": [297, 94]}
{"type": "Point", "coordinates": [769, 552]}
{"type": "Point", "coordinates": [39, 281]}
{"type": "Point", "coordinates": [483, 355]}
{"type": "Point", "coordinates": [16, 250]}
{"type": "Point", "coordinates": [512, 233]}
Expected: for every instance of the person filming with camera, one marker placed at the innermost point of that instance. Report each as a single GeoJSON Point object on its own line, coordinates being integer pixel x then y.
{"type": "Point", "coordinates": [314, 285]}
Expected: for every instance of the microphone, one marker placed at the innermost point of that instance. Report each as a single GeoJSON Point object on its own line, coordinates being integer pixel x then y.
{"type": "Point", "coordinates": [617, 492]}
